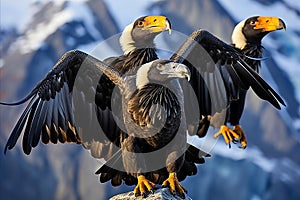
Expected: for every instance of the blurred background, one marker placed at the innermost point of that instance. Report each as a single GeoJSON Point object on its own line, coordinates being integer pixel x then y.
{"type": "Point", "coordinates": [35, 33]}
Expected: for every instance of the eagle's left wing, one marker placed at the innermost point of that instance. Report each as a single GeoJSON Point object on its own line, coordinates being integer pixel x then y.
{"type": "Point", "coordinates": [62, 107]}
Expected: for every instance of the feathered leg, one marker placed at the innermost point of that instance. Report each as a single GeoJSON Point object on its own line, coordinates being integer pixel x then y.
{"type": "Point", "coordinates": [234, 114]}
{"type": "Point", "coordinates": [134, 164]}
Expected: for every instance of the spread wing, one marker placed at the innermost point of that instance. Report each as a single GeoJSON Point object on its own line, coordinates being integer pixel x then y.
{"type": "Point", "coordinates": [62, 107]}
{"type": "Point", "coordinates": [218, 73]}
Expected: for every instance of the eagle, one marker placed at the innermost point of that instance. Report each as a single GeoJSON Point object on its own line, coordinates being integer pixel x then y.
{"type": "Point", "coordinates": [246, 38]}
{"type": "Point", "coordinates": [73, 103]}
{"type": "Point", "coordinates": [152, 103]}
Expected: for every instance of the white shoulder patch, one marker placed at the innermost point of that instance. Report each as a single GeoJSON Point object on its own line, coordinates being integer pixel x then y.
{"type": "Point", "coordinates": [237, 37]}
{"type": "Point", "coordinates": [126, 40]}
{"type": "Point", "coordinates": [142, 75]}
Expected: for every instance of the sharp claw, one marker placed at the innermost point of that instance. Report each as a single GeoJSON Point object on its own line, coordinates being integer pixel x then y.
{"type": "Point", "coordinates": [175, 187]}
{"type": "Point", "coordinates": [243, 145]}
{"type": "Point", "coordinates": [235, 141]}
{"type": "Point", "coordinates": [182, 196]}
{"type": "Point", "coordinates": [173, 193]}
{"type": "Point", "coordinates": [238, 129]}
{"type": "Point", "coordinates": [233, 136]}
{"type": "Point", "coordinates": [144, 195]}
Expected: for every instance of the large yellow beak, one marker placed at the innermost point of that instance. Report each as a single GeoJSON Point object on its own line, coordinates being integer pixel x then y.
{"type": "Point", "coordinates": [157, 24]}
{"type": "Point", "coordinates": [269, 24]}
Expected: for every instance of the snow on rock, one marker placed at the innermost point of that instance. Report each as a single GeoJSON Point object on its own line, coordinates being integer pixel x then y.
{"type": "Point", "coordinates": [80, 11]}
{"type": "Point", "coordinates": [75, 10]}
{"type": "Point", "coordinates": [159, 194]}
{"type": "Point", "coordinates": [33, 39]}
{"type": "Point", "coordinates": [23, 12]}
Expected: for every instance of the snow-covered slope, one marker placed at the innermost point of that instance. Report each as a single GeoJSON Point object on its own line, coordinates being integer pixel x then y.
{"type": "Point", "coordinates": [23, 12]}
{"type": "Point", "coordinates": [34, 38]}
{"type": "Point", "coordinates": [43, 31]}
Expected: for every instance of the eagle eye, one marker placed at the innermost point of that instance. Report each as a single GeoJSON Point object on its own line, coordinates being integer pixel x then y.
{"type": "Point", "coordinates": [160, 67]}
{"type": "Point", "coordinates": [140, 23]}
{"type": "Point", "coordinates": [252, 22]}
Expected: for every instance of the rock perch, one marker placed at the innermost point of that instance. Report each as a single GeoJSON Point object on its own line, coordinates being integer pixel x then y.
{"type": "Point", "coordinates": [159, 194]}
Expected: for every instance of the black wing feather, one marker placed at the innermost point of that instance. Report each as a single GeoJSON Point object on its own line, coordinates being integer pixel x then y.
{"type": "Point", "coordinates": [36, 128]}
{"type": "Point", "coordinates": [15, 134]}
{"type": "Point", "coordinates": [49, 115]}
{"type": "Point", "coordinates": [268, 90]}
{"type": "Point", "coordinates": [26, 146]}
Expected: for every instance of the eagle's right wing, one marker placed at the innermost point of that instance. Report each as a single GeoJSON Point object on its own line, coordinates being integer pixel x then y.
{"type": "Point", "coordinates": [218, 72]}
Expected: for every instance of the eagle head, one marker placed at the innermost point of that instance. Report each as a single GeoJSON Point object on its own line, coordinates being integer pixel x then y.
{"type": "Point", "coordinates": [141, 33]}
{"type": "Point", "coordinates": [161, 71]}
{"type": "Point", "coordinates": [252, 30]}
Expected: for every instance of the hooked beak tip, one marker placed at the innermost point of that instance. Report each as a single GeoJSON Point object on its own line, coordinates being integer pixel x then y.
{"type": "Point", "coordinates": [282, 25]}
{"type": "Point", "coordinates": [188, 77]}
{"type": "Point", "coordinates": [168, 26]}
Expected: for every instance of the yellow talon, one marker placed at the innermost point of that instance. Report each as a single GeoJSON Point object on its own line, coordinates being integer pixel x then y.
{"type": "Point", "coordinates": [143, 187]}
{"type": "Point", "coordinates": [228, 134]}
{"type": "Point", "coordinates": [174, 185]}
{"type": "Point", "coordinates": [238, 129]}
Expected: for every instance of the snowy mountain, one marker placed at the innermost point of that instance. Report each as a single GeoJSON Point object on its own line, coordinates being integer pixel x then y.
{"type": "Point", "coordinates": [34, 34]}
